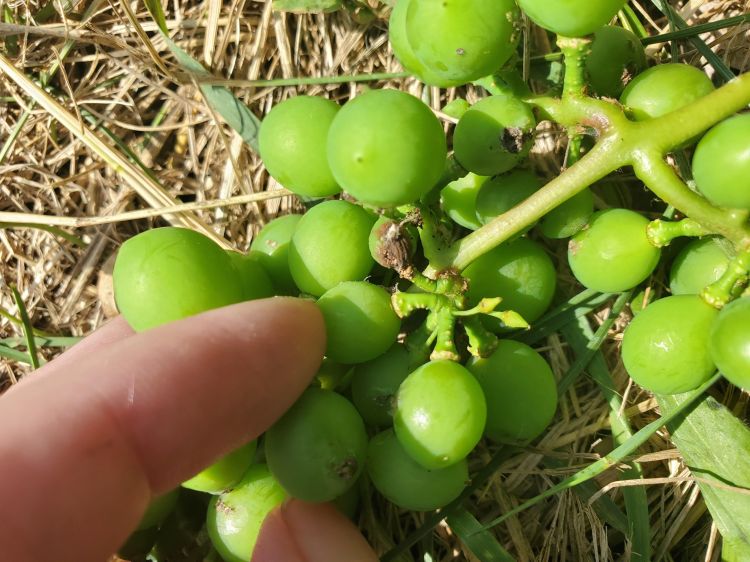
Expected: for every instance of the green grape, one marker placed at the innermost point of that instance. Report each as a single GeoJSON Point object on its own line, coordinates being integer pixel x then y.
{"type": "Point", "coordinates": [440, 414]}
{"type": "Point", "coordinates": [271, 248]}
{"type": "Point", "coordinates": [292, 145]}
{"type": "Point", "coordinates": [617, 55]}
{"type": "Point", "coordinates": [613, 254]}
{"type": "Point", "coordinates": [406, 483]}
{"type": "Point", "coordinates": [729, 342]}
{"type": "Point", "coordinates": [329, 246]}
{"type": "Point", "coordinates": [494, 135]}
{"type": "Point", "coordinates": [502, 193]}
{"type": "Point", "coordinates": [665, 347]}
{"type": "Point", "coordinates": [256, 284]}
{"type": "Point", "coordinates": [167, 274]}
{"type": "Point", "coordinates": [405, 54]}
{"type": "Point", "coordinates": [663, 89]}
{"type": "Point", "coordinates": [520, 390]}
{"type": "Point", "coordinates": [699, 263]}
{"type": "Point", "coordinates": [386, 148]}
{"type": "Point", "coordinates": [234, 518]}
{"type": "Point", "coordinates": [520, 272]}
{"type": "Point", "coordinates": [158, 510]}
{"type": "Point", "coordinates": [459, 200]}
{"type": "Point", "coordinates": [375, 383]}
{"type": "Point", "coordinates": [568, 219]}
{"type": "Point", "coordinates": [721, 163]}
{"type": "Point", "coordinates": [360, 322]}
{"type": "Point", "coordinates": [224, 473]}
{"type": "Point", "coordinates": [572, 18]}
{"type": "Point", "coordinates": [317, 449]}
{"type": "Point", "coordinates": [392, 243]}
{"type": "Point", "coordinates": [462, 40]}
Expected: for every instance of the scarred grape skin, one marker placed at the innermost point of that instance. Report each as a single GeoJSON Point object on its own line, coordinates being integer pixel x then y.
{"type": "Point", "coordinates": [235, 517]}
{"type": "Point", "coordinates": [386, 148]}
{"type": "Point", "coordinates": [494, 135]}
{"type": "Point", "coordinates": [317, 449]}
{"type": "Point", "coordinates": [665, 347]}
{"type": "Point", "coordinates": [613, 253]}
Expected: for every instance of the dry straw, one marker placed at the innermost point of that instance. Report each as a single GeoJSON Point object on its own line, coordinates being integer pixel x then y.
{"type": "Point", "coordinates": [118, 141]}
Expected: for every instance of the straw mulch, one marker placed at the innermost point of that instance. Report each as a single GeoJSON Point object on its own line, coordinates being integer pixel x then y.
{"type": "Point", "coordinates": [119, 79]}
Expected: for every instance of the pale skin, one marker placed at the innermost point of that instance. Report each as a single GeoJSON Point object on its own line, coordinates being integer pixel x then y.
{"type": "Point", "coordinates": [91, 437]}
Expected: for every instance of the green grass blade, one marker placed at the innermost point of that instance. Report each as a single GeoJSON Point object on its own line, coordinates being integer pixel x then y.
{"type": "Point", "coordinates": [14, 355]}
{"type": "Point", "coordinates": [222, 101]}
{"type": "Point", "coordinates": [694, 30]}
{"type": "Point", "coordinates": [28, 330]}
{"type": "Point", "coordinates": [563, 314]}
{"type": "Point", "coordinates": [72, 238]}
{"type": "Point", "coordinates": [157, 12]}
{"type": "Point", "coordinates": [612, 459]}
{"type": "Point", "coordinates": [627, 14]}
{"type": "Point", "coordinates": [580, 338]}
{"type": "Point", "coordinates": [483, 545]}
{"type": "Point", "coordinates": [590, 346]}
{"type": "Point", "coordinates": [679, 24]}
{"type": "Point", "coordinates": [715, 445]}
{"type": "Point", "coordinates": [607, 510]}
{"type": "Point", "coordinates": [43, 341]}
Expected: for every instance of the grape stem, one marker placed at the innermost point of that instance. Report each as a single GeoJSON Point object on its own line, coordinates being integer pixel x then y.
{"type": "Point", "coordinates": [621, 142]}
{"type": "Point", "coordinates": [660, 232]}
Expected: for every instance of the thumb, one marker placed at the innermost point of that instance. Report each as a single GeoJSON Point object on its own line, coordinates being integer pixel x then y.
{"type": "Point", "coordinates": [305, 532]}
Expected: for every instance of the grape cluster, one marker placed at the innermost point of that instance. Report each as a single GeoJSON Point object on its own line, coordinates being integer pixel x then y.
{"type": "Point", "coordinates": [419, 366]}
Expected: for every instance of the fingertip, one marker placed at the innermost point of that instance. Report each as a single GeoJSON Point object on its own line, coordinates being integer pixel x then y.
{"type": "Point", "coordinates": [323, 534]}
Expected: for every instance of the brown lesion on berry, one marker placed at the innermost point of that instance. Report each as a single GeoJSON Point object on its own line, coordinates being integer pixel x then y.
{"type": "Point", "coordinates": [394, 248]}
{"type": "Point", "coordinates": [347, 469]}
{"type": "Point", "coordinates": [513, 139]}
{"type": "Point", "coordinates": [223, 508]}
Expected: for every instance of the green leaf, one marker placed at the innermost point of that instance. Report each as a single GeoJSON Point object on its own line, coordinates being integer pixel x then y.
{"type": "Point", "coordinates": [715, 445]}
{"type": "Point", "coordinates": [585, 343]}
{"type": "Point", "coordinates": [222, 101]}
{"type": "Point", "coordinates": [307, 6]}
{"type": "Point", "coordinates": [236, 114]}
{"type": "Point", "coordinates": [28, 330]}
{"type": "Point", "coordinates": [481, 542]}
{"type": "Point", "coordinates": [157, 12]}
